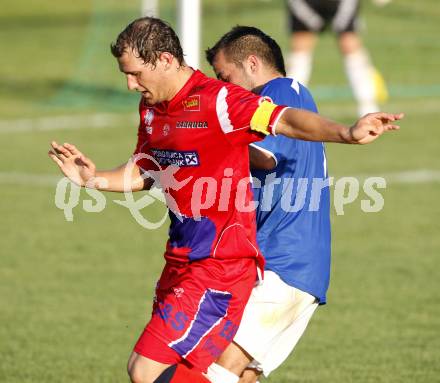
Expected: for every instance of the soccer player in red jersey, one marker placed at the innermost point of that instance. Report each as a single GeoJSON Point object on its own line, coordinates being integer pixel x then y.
{"type": "Point", "coordinates": [193, 138]}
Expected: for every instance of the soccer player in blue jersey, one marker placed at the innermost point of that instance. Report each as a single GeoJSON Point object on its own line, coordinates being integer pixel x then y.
{"type": "Point", "coordinates": [293, 215]}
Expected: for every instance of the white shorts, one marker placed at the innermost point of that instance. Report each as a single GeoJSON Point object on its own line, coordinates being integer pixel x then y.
{"type": "Point", "coordinates": [274, 320]}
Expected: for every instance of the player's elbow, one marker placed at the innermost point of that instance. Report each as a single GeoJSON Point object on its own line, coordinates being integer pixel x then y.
{"type": "Point", "coordinates": [262, 160]}
{"type": "Point", "coordinates": [266, 164]}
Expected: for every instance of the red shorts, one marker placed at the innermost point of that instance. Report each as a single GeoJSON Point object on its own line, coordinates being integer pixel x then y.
{"type": "Point", "coordinates": [197, 310]}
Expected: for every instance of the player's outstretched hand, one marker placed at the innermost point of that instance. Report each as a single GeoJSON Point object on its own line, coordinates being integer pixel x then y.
{"type": "Point", "coordinates": [74, 165]}
{"type": "Point", "coordinates": [372, 125]}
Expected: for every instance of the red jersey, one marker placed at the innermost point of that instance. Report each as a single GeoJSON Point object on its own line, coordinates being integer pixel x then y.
{"type": "Point", "coordinates": [200, 140]}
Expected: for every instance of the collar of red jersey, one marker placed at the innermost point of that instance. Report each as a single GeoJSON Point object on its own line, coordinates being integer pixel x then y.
{"type": "Point", "coordinates": [181, 94]}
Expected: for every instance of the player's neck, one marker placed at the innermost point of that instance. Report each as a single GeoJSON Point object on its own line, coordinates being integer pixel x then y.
{"type": "Point", "coordinates": [181, 77]}
{"type": "Point", "coordinates": [264, 78]}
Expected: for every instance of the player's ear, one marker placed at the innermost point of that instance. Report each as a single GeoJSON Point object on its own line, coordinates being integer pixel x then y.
{"type": "Point", "coordinates": [253, 63]}
{"type": "Point", "coordinates": [166, 59]}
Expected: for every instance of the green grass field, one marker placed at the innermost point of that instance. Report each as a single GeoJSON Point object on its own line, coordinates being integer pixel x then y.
{"type": "Point", "coordinates": [74, 296]}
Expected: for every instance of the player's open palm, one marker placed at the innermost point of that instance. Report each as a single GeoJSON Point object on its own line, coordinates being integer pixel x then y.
{"type": "Point", "coordinates": [74, 165]}
{"type": "Point", "coordinates": [372, 125]}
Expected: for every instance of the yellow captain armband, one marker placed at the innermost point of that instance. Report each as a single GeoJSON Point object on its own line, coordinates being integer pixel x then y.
{"type": "Point", "coordinates": [261, 118]}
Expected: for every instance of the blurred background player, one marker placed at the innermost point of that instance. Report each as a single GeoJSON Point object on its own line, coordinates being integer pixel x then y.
{"type": "Point", "coordinates": [310, 17]}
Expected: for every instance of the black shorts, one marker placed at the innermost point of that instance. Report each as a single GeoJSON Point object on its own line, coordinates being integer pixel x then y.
{"type": "Point", "coordinates": [316, 15]}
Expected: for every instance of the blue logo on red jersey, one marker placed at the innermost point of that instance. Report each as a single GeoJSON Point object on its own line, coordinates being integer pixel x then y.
{"type": "Point", "coordinates": [176, 158]}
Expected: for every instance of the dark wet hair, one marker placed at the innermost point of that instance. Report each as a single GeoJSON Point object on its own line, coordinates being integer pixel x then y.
{"type": "Point", "coordinates": [241, 42]}
{"type": "Point", "coordinates": [148, 37]}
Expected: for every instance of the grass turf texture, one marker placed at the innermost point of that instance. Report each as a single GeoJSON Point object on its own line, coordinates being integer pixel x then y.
{"type": "Point", "coordinates": [75, 296]}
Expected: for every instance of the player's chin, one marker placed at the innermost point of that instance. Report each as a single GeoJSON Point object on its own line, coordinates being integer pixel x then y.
{"type": "Point", "coordinates": [148, 98]}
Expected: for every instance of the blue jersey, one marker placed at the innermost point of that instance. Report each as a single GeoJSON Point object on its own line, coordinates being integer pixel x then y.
{"type": "Point", "coordinates": [293, 214]}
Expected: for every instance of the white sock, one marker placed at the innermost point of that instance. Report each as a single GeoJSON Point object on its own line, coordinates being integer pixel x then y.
{"type": "Point", "coordinates": [219, 374]}
{"type": "Point", "coordinates": [299, 66]}
{"type": "Point", "coordinates": [360, 75]}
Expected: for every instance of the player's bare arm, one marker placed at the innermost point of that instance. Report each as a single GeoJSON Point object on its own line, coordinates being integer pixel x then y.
{"type": "Point", "coordinates": [261, 159]}
{"type": "Point", "coordinates": [296, 123]}
{"type": "Point", "coordinates": [82, 171]}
